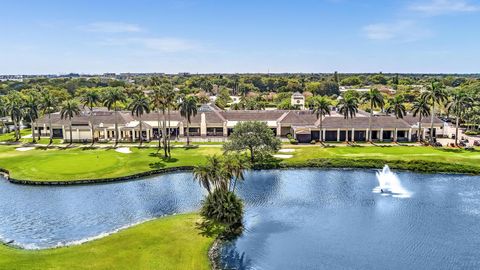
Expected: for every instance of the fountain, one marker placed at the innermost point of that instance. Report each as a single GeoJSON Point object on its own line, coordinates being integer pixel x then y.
{"type": "Point", "coordinates": [389, 184]}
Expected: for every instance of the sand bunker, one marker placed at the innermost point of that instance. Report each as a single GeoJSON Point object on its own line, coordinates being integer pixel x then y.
{"type": "Point", "coordinates": [286, 150]}
{"type": "Point", "coordinates": [23, 149]}
{"type": "Point", "coordinates": [283, 156]}
{"type": "Point", "coordinates": [124, 150]}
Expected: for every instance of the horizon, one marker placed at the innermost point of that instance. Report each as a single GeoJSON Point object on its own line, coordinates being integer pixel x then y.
{"type": "Point", "coordinates": [271, 37]}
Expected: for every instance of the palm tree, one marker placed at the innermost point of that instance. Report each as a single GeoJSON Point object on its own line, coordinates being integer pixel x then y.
{"type": "Point", "coordinates": [48, 105]}
{"type": "Point", "coordinates": [188, 109]}
{"type": "Point", "coordinates": [90, 99]}
{"type": "Point", "coordinates": [420, 108]}
{"type": "Point", "coordinates": [321, 107]}
{"type": "Point", "coordinates": [70, 108]}
{"type": "Point", "coordinates": [31, 109]}
{"type": "Point", "coordinates": [169, 104]}
{"type": "Point", "coordinates": [435, 95]}
{"type": "Point", "coordinates": [459, 103]}
{"type": "Point", "coordinates": [375, 99]}
{"type": "Point", "coordinates": [3, 108]}
{"type": "Point", "coordinates": [201, 173]}
{"type": "Point", "coordinates": [14, 109]}
{"type": "Point", "coordinates": [397, 107]}
{"type": "Point", "coordinates": [348, 107]}
{"type": "Point", "coordinates": [234, 166]}
{"type": "Point", "coordinates": [112, 97]}
{"type": "Point", "coordinates": [140, 105]}
{"type": "Point", "coordinates": [158, 104]}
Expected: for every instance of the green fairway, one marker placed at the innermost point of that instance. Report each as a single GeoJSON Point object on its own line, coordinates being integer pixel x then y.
{"type": "Point", "coordinates": [166, 243]}
{"type": "Point", "coordinates": [445, 157]}
{"type": "Point", "coordinates": [80, 163]}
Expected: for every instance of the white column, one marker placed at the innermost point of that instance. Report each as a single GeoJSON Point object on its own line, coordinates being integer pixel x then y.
{"type": "Point", "coordinates": [410, 135]}
{"type": "Point", "coordinates": [424, 135]}
{"type": "Point", "coordinates": [353, 134]}
{"type": "Point", "coordinates": [324, 131]}
{"type": "Point", "coordinates": [78, 134]}
{"type": "Point", "coordinates": [105, 133]}
{"type": "Point", "coordinates": [203, 125]}
{"type": "Point", "coordinates": [366, 135]}
{"type": "Point", "coordinates": [395, 135]}
{"type": "Point", "coordinates": [225, 129]}
{"type": "Point", "coordinates": [148, 134]}
{"type": "Point", "coordinates": [180, 129]}
{"type": "Point", "coordinates": [338, 135]}
{"type": "Point", "coordinates": [279, 129]}
{"type": "Point", "coordinates": [44, 129]}
{"type": "Point", "coordinates": [381, 134]}
{"type": "Point", "coordinates": [133, 135]}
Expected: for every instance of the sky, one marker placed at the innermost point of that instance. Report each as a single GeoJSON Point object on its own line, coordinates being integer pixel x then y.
{"type": "Point", "coordinates": [207, 36]}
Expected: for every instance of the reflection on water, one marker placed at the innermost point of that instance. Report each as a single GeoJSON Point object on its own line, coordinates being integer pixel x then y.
{"type": "Point", "coordinates": [40, 217]}
{"type": "Point", "coordinates": [295, 219]}
{"type": "Point", "coordinates": [330, 219]}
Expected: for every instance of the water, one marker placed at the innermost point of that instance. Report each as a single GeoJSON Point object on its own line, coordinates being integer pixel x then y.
{"type": "Point", "coordinates": [389, 184]}
{"type": "Point", "coordinates": [331, 219]}
{"type": "Point", "coordinates": [295, 219]}
{"type": "Point", "coordinates": [43, 216]}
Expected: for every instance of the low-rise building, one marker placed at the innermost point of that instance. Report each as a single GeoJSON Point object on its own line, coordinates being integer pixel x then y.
{"type": "Point", "coordinates": [210, 121]}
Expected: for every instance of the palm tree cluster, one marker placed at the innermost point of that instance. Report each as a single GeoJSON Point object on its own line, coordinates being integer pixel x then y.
{"type": "Point", "coordinates": [221, 207]}
{"type": "Point", "coordinates": [457, 103]}
{"type": "Point", "coordinates": [40, 101]}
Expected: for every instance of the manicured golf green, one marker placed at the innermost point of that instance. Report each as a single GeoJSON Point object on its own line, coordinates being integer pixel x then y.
{"type": "Point", "coordinates": [80, 163]}
{"type": "Point", "coordinates": [166, 243]}
{"type": "Point", "coordinates": [406, 153]}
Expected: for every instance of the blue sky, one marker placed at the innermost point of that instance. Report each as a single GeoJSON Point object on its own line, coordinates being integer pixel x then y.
{"type": "Point", "coordinates": [239, 36]}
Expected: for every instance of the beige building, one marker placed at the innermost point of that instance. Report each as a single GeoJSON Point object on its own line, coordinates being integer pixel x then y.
{"type": "Point", "coordinates": [213, 122]}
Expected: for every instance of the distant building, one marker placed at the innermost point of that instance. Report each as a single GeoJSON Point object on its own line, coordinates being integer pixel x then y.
{"type": "Point", "coordinates": [298, 100]}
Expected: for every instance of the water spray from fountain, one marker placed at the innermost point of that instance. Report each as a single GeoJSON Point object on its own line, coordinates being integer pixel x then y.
{"type": "Point", "coordinates": [389, 184]}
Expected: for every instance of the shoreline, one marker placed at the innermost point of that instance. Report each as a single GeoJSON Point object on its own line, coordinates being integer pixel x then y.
{"type": "Point", "coordinates": [417, 166]}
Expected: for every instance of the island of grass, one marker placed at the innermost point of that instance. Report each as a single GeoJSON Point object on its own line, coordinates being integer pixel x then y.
{"type": "Point", "coordinates": [78, 163]}
{"type": "Point", "coordinates": [166, 243]}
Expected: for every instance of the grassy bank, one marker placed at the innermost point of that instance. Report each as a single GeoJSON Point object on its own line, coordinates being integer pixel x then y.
{"type": "Point", "coordinates": [166, 243]}
{"type": "Point", "coordinates": [415, 158]}
{"type": "Point", "coordinates": [83, 163]}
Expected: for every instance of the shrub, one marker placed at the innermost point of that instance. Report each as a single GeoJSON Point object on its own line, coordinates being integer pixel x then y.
{"type": "Point", "coordinates": [293, 141]}
{"type": "Point", "coordinates": [222, 209]}
{"type": "Point", "coordinates": [472, 133]}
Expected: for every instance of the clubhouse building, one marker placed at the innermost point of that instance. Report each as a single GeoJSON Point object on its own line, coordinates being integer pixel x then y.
{"type": "Point", "coordinates": [211, 122]}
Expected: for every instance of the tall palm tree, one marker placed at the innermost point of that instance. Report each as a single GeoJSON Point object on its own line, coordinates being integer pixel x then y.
{"type": "Point", "coordinates": [321, 107]}
{"type": "Point", "coordinates": [201, 173]}
{"type": "Point", "coordinates": [157, 98]}
{"type": "Point", "coordinates": [31, 109]}
{"type": "Point", "coordinates": [90, 99]}
{"type": "Point", "coordinates": [14, 109]}
{"type": "Point", "coordinates": [188, 109]}
{"type": "Point", "coordinates": [111, 99]}
{"type": "Point", "coordinates": [457, 106]}
{"type": "Point", "coordinates": [434, 95]}
{"type": "Point", "coordinates": [348, 107]}
{"type": "Point", "coordinates": [3, 108]}
{"type": "Point", "coordinates": [420, 108]}
{"type": "Point", "coordinates": [48, 104]}
{"type": "Point", "coordinates": [139, 106]}
{"type": "Point", "coordinates": [170, 98]}
{"type": "Point", "coordinates": [70, 108]}
{"type": "Point", "coordinates": [375, 99]}
{"type": "Point", "coordinates": [396, 106]}
{"type": "Point", "coordinates": [234, 166]}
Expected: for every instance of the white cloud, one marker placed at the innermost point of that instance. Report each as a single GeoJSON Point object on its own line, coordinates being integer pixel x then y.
{"type": "Point", "coordinates": [404, 31]}
{"type": "Point", "coordinates": [440, 7]}
{"type": "Point", "coordinates": [156, 44]}
{"type": "Point", "coordinates": [111, 27]}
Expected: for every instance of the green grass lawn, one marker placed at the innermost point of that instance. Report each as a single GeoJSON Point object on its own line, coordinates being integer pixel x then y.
{"type": "Point", "coordinates": [82, 163]}
{"type": "Point", "coordinates": [166, 243]}
{"type": "Point", "coordinates": [411, 154]}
